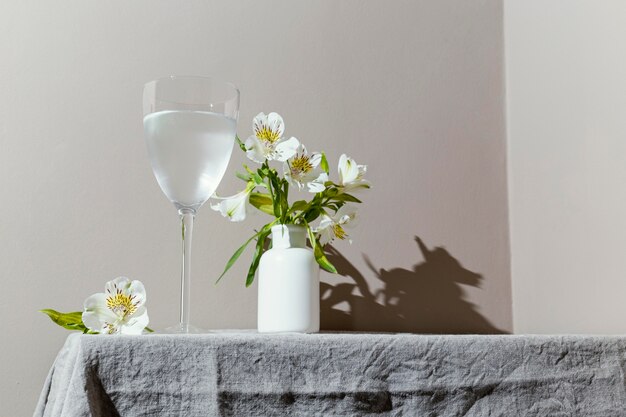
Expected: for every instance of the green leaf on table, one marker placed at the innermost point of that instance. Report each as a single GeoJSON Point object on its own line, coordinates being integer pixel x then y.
{"type": "Point", "coordinates": [70, 321]}
{"type": "Point", "coordinates": [262, 202]}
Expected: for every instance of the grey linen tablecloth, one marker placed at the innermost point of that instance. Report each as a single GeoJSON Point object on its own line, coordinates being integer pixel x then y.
{"type": "Point", "coordinates": [247, 374]}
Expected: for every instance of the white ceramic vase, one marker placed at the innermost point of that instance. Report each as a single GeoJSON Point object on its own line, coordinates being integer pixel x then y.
{"type": "Point", "coordinates": [289, 287]}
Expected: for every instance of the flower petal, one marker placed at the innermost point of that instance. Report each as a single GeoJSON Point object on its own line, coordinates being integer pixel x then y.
{"type": "Point", "coordinates": [233, 207]}
{"type": "Point", "coordinates": [138, 292]}
{"type": "Point", "coordinates": [315, 160]}
{"type": "Point", "coordinates": [325, 223]}
{"type": "Point", "coordinates": [356, 187]}
{"type": "Point", "coordinates": [345, 215]}
{"type": "Point", "coordinates": [290, 179]}
{"type": "Point", "coordinates": [115, 285]}
{"type": "Point", "coordinates": [348, 170]}
{"type": "Point", "coordinates": [95, 301]}
{"type": "Point", "coordinates": [317, 185]}
{"type": "Point", "coordinates": [96, 313]}
{"type": "Point", "coordinates": [285, 150]}
{"type": "Point", "coordinates": [276, 124]}
{"type": "Point", "coordinates": [255, 149]}
{"type": "Point", "coordinates": [135, 324]}
{"type": "Point", "coordinates": [237, 213]}
{"type": "Point", "coordinates": [124, 285]}
{"type": "Point", "coordinates": [325, 236]}
{"type": "Point", "coordinates": [259, 122]}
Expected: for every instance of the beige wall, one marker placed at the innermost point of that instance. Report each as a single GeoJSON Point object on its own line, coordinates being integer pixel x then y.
{"type": "Point", "coordinates": [412, 88]}
{"type": "Point", "coordinates": [566, 94]}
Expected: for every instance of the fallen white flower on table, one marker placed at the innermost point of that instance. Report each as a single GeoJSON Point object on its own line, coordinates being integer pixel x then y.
{"type": "Point", "coordinates": [120, 309]}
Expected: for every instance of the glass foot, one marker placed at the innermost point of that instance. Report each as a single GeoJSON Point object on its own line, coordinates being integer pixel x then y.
{"type": "Point", "coordinates": [182, 329]}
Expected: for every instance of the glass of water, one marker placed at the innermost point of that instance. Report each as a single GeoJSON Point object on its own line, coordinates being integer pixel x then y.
{"type": "Point", "coordinates": [189, 127]}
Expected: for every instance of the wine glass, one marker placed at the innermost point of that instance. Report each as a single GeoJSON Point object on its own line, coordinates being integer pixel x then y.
{"type": "Point", "coordinates": [189, 127]}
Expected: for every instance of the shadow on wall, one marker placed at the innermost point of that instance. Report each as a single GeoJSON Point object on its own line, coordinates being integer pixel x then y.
{"type": "Point", "coordinates": [426, 299]}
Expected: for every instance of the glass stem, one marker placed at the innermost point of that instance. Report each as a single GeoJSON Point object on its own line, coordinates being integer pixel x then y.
{"type": "Point", "coordinates": [186, 217]}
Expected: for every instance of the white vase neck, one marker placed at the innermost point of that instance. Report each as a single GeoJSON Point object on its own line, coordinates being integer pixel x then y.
{"type": "Point", "coordinates": [288, 236]}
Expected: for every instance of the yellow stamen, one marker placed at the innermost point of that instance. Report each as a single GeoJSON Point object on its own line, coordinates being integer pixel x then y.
{"type": "Point", "coordinates": [121, 304]}
{"type": "Point", "coordinates": [109, 328]}
{"type": "Point", "coordinates": [301, 165]}
{"type": "Point", "coordinates": [339, 232]}
{"type": "Point", "coordinates": [266, 134]}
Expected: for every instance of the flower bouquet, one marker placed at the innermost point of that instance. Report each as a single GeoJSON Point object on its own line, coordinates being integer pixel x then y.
{"type": "Point", "coordinates": [325, 214]}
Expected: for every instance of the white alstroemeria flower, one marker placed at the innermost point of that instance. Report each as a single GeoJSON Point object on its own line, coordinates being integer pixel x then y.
{"type": "Point", "coordinates": [332, 227]}
{"type": "Point", "coordinates": [351, 174]}
{"type": "Point", "coordinates": [267, 141]}
{"type": "Point", "coordinates": [303, 170]}
{"type": "Point", "coordinates": [233, 207]}
{"type": "Point", "coordinates": [120, 309]}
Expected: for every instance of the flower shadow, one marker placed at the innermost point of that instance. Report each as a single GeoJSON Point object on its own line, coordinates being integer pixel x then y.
{"type": "Point", "coordinates": [427, 299]}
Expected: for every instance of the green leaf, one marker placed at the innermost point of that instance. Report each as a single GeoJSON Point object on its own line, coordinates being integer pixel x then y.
{"type": "Point", "coordinates": [312, 214]}
{"type": "Point", "coordinates": [284, 201]}
{"type": "Point", "coordinates": [240, 143]}
{"type": "Point", "coordinates": [235, 256]}
{"type": "Point", "coordinates": [253, 175]}
{"type": "Point", "coordinates": [276, 195]}
{"type": "Point", "coordinates": [318, 251]}
{"type": "Point", "coordinates": [321, 259]}
{"type": "Point", "coordinates": [347, 198]}
{"type": "Point", "coordinates": [324, 163]}
{"type": "Point", "coordinates": [70, 321]}
{"type": "Point", "coordinates": [149, 330]}
{"type": "Point", "coordinates": [331, 192]}
{"type": "Point", "coordinates": [262, 202]}
{"type": "Point", "coordinates": [298, 206]}
{"type": "Point", "coordinates": [309, 232]}
{"type": "Point", "coordinates": [243, 177]}
{"type": "Point", "coordinates": [257, 178]}
{"type": "Point", "coordinates": [260, 245]}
